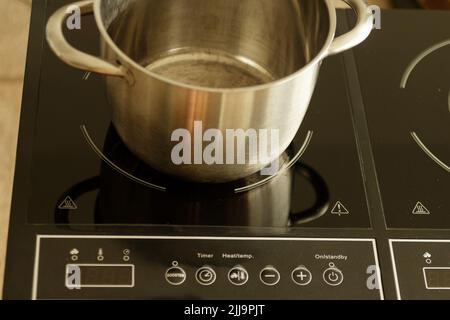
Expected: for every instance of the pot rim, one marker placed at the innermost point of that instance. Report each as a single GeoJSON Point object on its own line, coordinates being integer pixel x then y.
{"type": "Point", "coordinates": [323, 53]}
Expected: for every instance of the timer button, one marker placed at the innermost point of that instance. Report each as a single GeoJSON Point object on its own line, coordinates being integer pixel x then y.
{"type": "Point", "coordinates": [175, 275]}
{"type": "Point", "coordinates": [205, 276]}
{"type": "Point", "coordinates": [333, 276]}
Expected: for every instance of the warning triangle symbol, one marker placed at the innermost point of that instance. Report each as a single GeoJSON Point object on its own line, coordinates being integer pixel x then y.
{"type": "Point", "coordinates": [420, 209]}
{"type": "Point", "coordinates": [68, 204]}
{"type": "Point", "coordinates": [339, 209]}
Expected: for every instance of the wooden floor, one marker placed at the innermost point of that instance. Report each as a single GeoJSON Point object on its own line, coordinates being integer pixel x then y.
{"type": "Point", "coordinates": [14, 22]}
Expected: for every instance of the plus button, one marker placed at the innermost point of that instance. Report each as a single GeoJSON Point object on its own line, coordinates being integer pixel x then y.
{"type": "Point", "coordinates": [301, 276]}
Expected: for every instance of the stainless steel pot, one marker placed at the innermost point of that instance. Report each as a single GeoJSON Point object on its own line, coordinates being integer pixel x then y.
{"type": "Point", "coordinates": [231, 64]}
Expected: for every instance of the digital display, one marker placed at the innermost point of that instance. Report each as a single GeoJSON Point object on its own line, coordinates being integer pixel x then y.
{"type": "Point", "coordinates": [437, 278]}
{"type": "Point", "coordinates": [99, 275]}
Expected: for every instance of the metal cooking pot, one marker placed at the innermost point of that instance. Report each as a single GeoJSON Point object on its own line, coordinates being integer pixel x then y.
{"type": "Point", "coordinates": [231, 64]}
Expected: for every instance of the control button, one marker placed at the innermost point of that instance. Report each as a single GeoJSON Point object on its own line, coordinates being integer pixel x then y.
{"type": "Point", "coordinates": [269, 276]}
{"type": "Point", "coordinates": [333, 276]}
{"type": "Point", "coordinates": [301, 276]}
{"type": "Point", "coordinates": [205, 276]}
{"type": "Point", "coordinates": [175, 275]}
{"type": "Point", "coordinates": [238, 276]}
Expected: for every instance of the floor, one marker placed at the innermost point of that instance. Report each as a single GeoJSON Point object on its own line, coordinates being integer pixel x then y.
{"type": "Point", "coordinates": [14, 16]}
{"type": "Point", "coordinates": [14, 22]}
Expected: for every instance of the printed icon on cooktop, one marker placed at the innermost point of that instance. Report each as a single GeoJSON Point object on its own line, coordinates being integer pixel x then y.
{"type": "Point", "coordinates": [74, 254]}
{"type": "Point", "coordinates": [126, 255]}
{"type": "Point", "coordinates": [68, 204]}
{"type": "Point", "coordinates": [339, 209]}
{"type": "Point", "coordinates": [238, 276]}
{"type": "Point", "coordinates": [100, 255]}
{"type": "Point", "coordinates": [420, 209]}
{"type": "Point", "coordinates": [427, 256]}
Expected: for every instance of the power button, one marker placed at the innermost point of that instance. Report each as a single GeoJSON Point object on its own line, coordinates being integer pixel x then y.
{"type": "Point", "coordinates": [333, 276]}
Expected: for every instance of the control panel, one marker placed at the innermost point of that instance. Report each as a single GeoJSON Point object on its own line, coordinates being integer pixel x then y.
{"type": "Point", "coordinates": [96, 267]}
{"type": "Point", "coordinates": [422, 268]}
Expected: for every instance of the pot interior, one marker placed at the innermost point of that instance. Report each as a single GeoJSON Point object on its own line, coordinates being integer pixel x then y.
{"type": "Point", "coordinates": [218, 43]}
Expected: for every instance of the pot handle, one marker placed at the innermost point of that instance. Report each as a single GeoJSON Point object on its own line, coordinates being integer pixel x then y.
{"type": "Point", "coordinates": [322, 203]}
{"type": "Point", "coordinates": [360, 32]}
{"type": "Point", "coordinates": [70, 55]}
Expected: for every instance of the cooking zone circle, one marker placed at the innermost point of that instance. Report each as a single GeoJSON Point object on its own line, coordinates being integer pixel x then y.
{"type": "Point", "coordinates": [427, 54]}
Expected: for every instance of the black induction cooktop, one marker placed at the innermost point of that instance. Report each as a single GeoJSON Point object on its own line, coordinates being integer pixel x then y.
{"type": "Point", "coordinates": [360, 209]}
{"type": "Point", "coordinates": [406, 91]}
